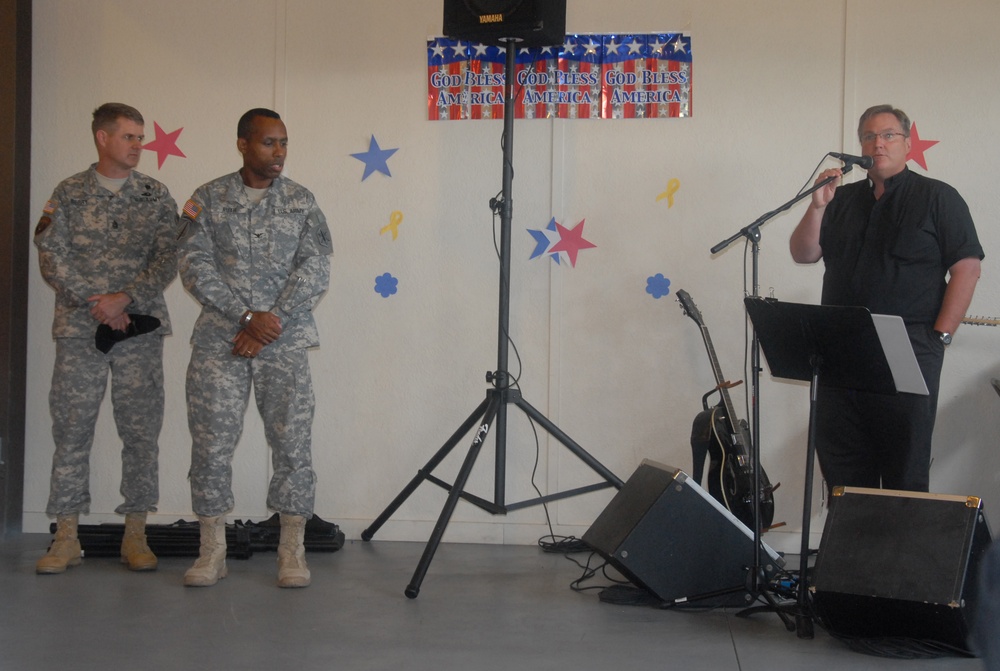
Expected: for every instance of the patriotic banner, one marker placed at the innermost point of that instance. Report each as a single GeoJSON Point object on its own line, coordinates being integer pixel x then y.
{"type": "Point", "coordinates": [619, 76]}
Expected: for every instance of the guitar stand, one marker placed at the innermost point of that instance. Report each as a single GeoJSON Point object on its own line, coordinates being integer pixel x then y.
{"type": "Point", "coordinates": [492, 412]}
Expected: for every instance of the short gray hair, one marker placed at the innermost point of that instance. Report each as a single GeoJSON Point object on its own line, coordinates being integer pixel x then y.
{"type": "Point", "coordinates": [904, 120]}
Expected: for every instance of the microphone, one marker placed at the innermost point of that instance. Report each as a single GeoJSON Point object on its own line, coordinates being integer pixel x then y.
{"type": "Point", "coordinates": [862, 161]}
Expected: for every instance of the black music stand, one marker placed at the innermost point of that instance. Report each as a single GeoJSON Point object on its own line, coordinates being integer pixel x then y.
{"type": "Point", "coordinates": [843, 346]}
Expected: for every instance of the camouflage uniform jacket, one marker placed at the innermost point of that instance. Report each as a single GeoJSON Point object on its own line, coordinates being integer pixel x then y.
{"type": "Point", "coordinates": [91, 241]}
{"type": "Point", "coordinates": [237, 256]}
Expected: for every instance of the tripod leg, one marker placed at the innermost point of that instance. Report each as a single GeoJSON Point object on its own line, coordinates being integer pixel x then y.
{"type": "Point", "coordinates": [413, 589]}
{"type": "Point", "coordinates": [554, 431]}
{"type": "Point", "coordinates": [422, 474]}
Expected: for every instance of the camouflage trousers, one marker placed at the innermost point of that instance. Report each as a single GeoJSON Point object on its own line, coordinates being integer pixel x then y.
{"type": "Point", "coordinates": [218, 393]}
{"type": "Point", "coordinates": [79, 381]}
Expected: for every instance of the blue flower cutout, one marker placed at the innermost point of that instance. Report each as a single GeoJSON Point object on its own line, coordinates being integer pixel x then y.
{"type": "Point", "coordinates": [386, 285]}
{"type": "Point", "coordinates": [657, 286]}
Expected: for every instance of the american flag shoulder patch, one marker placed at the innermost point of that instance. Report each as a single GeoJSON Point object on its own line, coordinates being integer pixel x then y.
{"type": "Point", "coordinates": [50, 207]}
{"type": "Point", "coordinates": [192, 209]}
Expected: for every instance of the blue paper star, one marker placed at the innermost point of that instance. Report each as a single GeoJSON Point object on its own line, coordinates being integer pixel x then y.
{"type": "Point", "coordinates": [544, 240]}
{"type": "Point", "coordinates": [375, 159]}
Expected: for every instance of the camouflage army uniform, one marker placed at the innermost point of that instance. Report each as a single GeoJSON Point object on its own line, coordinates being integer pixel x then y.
{"type": "Point", "coordinates": [91, 241]}
{"type": "Point", "coordinates": [237, 256]}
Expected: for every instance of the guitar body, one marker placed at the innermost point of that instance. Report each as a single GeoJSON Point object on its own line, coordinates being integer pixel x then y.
{"type": "Point", "coordinates": [730, 478]}
{"type": "Point", "coordinates": [704, 445]}
{"type": "Point", "coordinates": [718, 435]}
{"type": "Point", "coordinates": [737, 476]}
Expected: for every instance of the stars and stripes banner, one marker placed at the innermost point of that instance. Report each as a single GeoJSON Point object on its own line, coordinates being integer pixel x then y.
{"type": "Point", "coordinates": [619, 76]}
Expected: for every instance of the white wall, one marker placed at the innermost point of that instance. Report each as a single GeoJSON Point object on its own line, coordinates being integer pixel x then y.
{"type": "Point", "coordinates": [777, 84]}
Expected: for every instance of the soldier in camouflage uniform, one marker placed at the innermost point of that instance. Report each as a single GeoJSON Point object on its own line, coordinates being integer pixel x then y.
{"type": "Point", "coordinates": [255, 252]}
{"type": "Point", "coordinates": [107, 245]}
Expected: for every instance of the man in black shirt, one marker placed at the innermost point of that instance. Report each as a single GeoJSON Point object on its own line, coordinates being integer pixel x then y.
{"type": "Point", "coordinates": [897, 243]}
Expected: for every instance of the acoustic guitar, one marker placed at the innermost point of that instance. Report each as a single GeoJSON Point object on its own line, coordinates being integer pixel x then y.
{"type": "Point", "coordinates": [718, 435]}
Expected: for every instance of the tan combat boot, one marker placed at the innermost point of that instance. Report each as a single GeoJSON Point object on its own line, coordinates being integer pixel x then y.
{"type": "Point", "coordinates": [210, 567]}
{"type": "Point", "coordinates": [65, 549]}
{"type": "Point", "coordinates": [292, 569]}
{"type": "Point", "coordinates": [135, 551]}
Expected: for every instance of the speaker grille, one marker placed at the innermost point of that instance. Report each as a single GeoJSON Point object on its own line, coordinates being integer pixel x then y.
{"type": "Point", "coordinates": [900, 564]}
{"type": "Point", "coordinates": [668, 535]}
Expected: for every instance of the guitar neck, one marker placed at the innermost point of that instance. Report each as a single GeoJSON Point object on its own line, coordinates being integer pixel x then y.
{"type": "Point", "coordinates": [720, 381]}
{"type": "Point", "coordinates": [981, 321]}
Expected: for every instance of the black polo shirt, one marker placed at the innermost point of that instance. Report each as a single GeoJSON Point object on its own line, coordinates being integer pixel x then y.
{"type": "Point", "coordinates": [892, 255]}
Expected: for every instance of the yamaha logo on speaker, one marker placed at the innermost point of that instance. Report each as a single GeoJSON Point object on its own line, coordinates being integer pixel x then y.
{"type": "Point", "coordinates": [529, 23]}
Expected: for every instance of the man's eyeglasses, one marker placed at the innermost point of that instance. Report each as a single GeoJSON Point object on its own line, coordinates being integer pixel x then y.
{"type": "Point", "coordinates": [887, 136]}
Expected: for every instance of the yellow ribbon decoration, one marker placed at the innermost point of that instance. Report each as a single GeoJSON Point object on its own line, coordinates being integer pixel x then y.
{"type": "Point", "coordinates": [395, 219]}
{"type": "Point", "coordinates": [672, 187]}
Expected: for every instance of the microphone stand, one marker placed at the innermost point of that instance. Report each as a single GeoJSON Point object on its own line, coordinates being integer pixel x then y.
{"type": "Point", "coordinates": [803, 623]}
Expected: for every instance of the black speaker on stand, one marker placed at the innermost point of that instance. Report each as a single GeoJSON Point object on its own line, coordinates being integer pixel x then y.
{"type": "Point", "coordinates": [491, 414]}
{"type": "Point", "coordinates": [531, 23]}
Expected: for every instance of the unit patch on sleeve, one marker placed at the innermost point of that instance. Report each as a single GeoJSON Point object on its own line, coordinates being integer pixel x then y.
{"type": "Point", "coordinates": [43, 223]}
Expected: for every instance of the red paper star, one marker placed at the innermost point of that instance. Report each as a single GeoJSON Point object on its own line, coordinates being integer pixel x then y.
{"type": "Point", "coordinates": [918, 146]}
{"type": "Point", "coordinates": [571, 241]}
{"type": "Point", "coordinates": [164, 145]}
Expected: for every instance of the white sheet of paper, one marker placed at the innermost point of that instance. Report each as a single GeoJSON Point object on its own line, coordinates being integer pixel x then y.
{"type": "Point", "coordinates": [899, 353]}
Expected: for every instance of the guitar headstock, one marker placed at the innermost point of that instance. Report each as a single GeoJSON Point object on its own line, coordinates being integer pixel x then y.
{"type": "Point", "coordinates": [689, 308]}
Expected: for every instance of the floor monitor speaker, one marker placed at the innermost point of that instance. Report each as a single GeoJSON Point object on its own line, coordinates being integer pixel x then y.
{"type": "Point", "coordinates": [666, 534]}
{"type": "Point", "coordinates": [532, 23]}
{"type": "Point", "coordinates": [895, 564]}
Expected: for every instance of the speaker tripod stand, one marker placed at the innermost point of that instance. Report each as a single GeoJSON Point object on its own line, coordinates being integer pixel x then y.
{"type": "Point", "coordinates": [492, 412]}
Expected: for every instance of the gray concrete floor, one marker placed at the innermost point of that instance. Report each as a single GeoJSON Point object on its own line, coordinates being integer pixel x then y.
{"type": "Point", "coordinates": [480, 607]}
